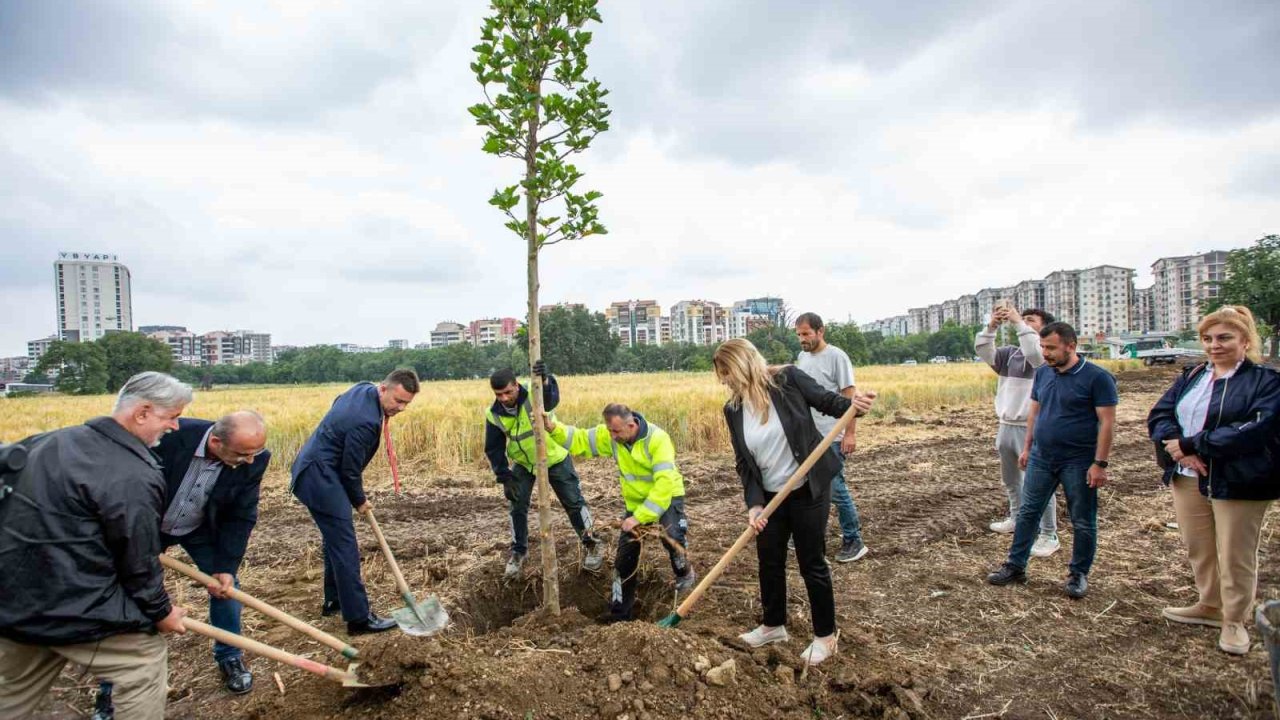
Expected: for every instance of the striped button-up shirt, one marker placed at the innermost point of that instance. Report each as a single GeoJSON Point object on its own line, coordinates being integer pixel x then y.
{"type": "Point", "coordinates": [187, 510]}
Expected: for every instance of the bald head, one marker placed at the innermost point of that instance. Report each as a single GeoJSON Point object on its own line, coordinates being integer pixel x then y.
{"type": "Point", "coordinates": [238, 437]}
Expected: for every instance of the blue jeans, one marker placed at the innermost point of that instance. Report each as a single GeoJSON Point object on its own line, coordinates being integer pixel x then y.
{"type": "Point", "coordinates": [846, 510]}
{"type": "Point", "coordinates": [224, 614]}
{"type": "Point", "coordinates": [1041, 480]}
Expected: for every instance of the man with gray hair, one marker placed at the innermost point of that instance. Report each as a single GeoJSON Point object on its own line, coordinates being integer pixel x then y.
{"type": "Point", "coordinates": [213, 473]}
{"type": "Point", "coordinates": [79, 556]}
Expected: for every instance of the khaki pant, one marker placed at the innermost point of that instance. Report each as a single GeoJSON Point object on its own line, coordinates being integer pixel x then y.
{"type": "Point", "coordinates": [137, 663]}
{"type": "Point", "coordinates": [1222, 539]}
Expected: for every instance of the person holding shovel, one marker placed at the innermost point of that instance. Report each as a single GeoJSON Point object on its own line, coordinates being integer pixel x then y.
{"type": "Point", "coordinates": [213, 473]}
{"type": "Point", "coordinates": [328, 478]}
{"type": "Point", "coordinates": [771, 427]}
{"type": "Point", "coordinates": [652, 490]}
{"type": "Point", "coordinates": [509, 445]}
{"type": "Point", "coordinates": [80, 573]}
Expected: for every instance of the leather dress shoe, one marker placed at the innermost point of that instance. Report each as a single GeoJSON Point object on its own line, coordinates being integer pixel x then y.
{"type": "Point", "coordinates": [371, 624]}
{"type": "Point", "coordinates": [330, 607]}
{"type": "Point", "coordinates": [235, 676]}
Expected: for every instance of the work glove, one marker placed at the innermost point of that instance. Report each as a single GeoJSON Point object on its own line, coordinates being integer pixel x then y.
{"type": "Point", "coordinates": [504, 477]}
{"type": "Point", "coordinates": [540, 369]}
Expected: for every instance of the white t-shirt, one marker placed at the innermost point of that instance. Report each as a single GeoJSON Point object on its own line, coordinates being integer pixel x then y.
{"type": "Point", "coordinates": [1193, 408]}
{"type": "Point", "coordinates": [833, 370]}
{"type": "Point", "coordinates": [767, 443]}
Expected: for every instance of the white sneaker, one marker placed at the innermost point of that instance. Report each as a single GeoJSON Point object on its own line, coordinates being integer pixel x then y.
{"type": "Point", "coordinates": [762, 636]}
{"type": "Point", "coordinates": [1004, 526]}
{"type": "Point", "coordinates": [1044, 546]}
{"type": "Point", "coordinates": [819, 650]}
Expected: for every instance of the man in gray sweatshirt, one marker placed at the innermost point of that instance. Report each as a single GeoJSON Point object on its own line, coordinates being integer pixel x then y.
{"type": "Point", "coordinates": [1016, 366]}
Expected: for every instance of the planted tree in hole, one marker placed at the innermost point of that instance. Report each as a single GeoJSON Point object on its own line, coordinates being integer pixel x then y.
{"type": "Point", "coordinates": [533, 54]}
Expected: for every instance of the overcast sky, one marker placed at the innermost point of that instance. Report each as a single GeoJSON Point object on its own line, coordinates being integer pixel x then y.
{"type": "Point", "coordinates": [309, 169]}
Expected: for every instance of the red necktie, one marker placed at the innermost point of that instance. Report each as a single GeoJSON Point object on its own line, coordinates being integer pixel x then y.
{"type": "Point", "coordinates": [391, 454]}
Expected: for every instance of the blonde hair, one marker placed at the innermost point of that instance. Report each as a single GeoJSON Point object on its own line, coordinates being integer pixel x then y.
{"type": "Point", "coordinates": [1240, 319]}
{"type": "Point", "coordinates": [747, 375]}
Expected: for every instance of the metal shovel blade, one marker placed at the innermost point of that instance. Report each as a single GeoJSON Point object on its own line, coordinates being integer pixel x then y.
{"type": "Point", "coordinates": [423, 619]}
{"type": "Point", "coordinates": [351, 680]}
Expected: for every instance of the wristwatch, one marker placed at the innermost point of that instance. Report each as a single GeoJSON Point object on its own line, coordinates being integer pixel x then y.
{"type": "Point", "coordinates": [1101, 463]}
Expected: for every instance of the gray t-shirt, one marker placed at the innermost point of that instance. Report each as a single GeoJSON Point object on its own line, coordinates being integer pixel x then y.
{"type": "Point", "coordinates": [833, 370]}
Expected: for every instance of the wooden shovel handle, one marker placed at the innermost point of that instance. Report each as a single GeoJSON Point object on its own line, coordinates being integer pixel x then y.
{"type": "Point", "coordinates": [262, 607]}
{"type": "Point", "coordinates": [257, 648]}
{"type": "Point", "coordinates": [401, 585]}
{"type": "Point", "coordinates": [747, 535]}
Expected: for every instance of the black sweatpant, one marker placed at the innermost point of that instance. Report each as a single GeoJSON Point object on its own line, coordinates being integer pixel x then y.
{"type": "Point", "coordinates": [803, 517]}
{"type": "Point", "coordinates": [622, 598]}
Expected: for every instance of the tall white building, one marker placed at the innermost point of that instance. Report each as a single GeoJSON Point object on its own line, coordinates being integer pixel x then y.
{"type": "Point", "coordinates": [638, 322]}
{"type": "Point", "coordinates": [1181, 284]}
{"type": "Point", "coordinates": [93, 295]}
{"type": "Point", "coordinates": [1104, 295]}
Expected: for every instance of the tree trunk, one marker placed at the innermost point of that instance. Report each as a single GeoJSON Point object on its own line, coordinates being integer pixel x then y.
{"type": "Point", "coordinates": [1275, 343]}
{"type": "Point", "coordinates": [550, 566]}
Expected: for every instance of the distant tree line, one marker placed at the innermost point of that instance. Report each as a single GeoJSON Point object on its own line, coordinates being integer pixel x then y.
{"type": "Point", "coordinates": [578, 342]}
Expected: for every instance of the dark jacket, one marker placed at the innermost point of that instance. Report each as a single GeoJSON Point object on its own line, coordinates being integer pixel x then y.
{"type": "Point", "coordinates": [495, 443]}
{"type": "Point", "coordinates": [328, 472]}
{"type": "Point", "coordinates": [795, 395]}
{"type": "Point", "coordinates": [80, 536]}
{"type": "Point", "coordinates": [1240, 443]}
{"type": "Point", "coordinates": [232, 510]}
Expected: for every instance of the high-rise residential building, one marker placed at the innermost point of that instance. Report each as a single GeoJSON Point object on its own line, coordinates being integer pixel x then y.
{"type": "Point", "coordinates": [448, 333]}
{"type": "Point", "coordinates": [1142, 311]}
{"type": "Point", "coordinates": [1181, 285]}
{"type": "Point", "coordinates": [37, 348]}
{"type": "Point", "coordinates": [186, 347]}
{"type": "Point", "coordinates": [638, 322]}
{"type": "Point", "coordinates": [1062, 296]}
{"type": "Point", "coordinates": [489, 331]}
{"type": "Point", "coordinates": [222, 347]}
{"type": "Point", "coordinates": [967, 310]}
{"type": "Point", "coordinates": [896, 326]}
{"type": "Point", "coordinates": [1104, 294]}
{"type": "Point", "coordinates": [933, 318]}
{"type": "Point", "coordinates": [950, 311]}
{"type": "Point", "coordinates": [93, 296]}
{"type": "Point", "coordinates": [987, 298]}
{"type": "Point", "coordinates": [698, 322]}
{"type": "Point", "coordinates": [1028, 295]}
{"type": "Point", "coordinates": [917, 320]}
{"type": "Point", "coordinates": [751, 314]}
{"type": "Point", "coordinates": [14, 369]}
{"type": "Point", "coordinates": [398, 344]}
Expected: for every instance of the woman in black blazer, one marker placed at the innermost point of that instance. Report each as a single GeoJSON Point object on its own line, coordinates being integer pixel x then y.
{"type": "Point", "coordinates": [1217, 434]}
{"type": "Point", "coordinates": [772, 430]}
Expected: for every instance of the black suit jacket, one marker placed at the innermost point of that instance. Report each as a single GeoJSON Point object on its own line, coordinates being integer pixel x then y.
{"type": "Point", "coordinates": [232, 510]}
{"type": "Point", "coordinates": [795, 394]}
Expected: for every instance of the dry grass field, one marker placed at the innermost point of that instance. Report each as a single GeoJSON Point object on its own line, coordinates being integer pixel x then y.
{"type": "Point", "coordinates": [443, 430]}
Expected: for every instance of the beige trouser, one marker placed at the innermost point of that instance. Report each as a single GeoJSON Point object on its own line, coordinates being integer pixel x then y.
{"type": "Point", "coordinates": [137, 663]}
{"type": "Point", "coordinates": [1222, 539]}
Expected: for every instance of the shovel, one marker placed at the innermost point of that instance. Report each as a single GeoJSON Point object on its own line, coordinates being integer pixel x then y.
{"type": "Point", "coordinates": [747, 535]}
{"type": "Point", "coordinates": [270, 611]}
{"type": "Point", "coordinates": [418, 619]}
{"type": "Point", "coordinates": [346, 678]}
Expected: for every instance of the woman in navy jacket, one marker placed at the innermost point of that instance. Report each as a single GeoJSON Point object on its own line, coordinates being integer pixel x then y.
{"type": "Point", "coordinates": [772, 431]}
{"type": "Point", "coordinates": [1218, 439]}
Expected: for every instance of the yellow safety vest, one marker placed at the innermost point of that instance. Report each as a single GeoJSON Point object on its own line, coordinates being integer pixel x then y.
{"type": "Point", "coordinates": [647, 469]}
{"type": "Point", "coordinates": [519, 432]}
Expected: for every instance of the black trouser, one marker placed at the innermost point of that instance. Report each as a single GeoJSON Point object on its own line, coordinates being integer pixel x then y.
{"type": "Point", "coordinates": [342, 580]}
{"type": "Point", "coordinates": [627, 563]}
{"type": "Point", "coordinates": [803, 517]}
{"type": "Point", "coordinates": [563, 479]}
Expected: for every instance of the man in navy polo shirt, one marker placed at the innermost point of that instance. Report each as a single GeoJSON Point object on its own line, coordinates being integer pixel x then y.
{"type": "Point", "coordinates": [1069, 433]}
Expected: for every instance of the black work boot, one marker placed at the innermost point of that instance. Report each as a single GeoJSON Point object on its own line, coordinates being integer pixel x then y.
{"type": "Point", "coordinates": [235, 676]}
{"type": "Point", "coordinates": [1007, 574]}
{"type": "Point", "coordinates": [330, 607]}
{"type": "Point", "coordinates": [1076, 586]}
{"type": "Point", "coordinates": [102, 707]}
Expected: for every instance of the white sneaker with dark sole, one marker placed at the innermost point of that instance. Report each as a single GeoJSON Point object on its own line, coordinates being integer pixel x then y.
{"type": "Point", "coordinates": [762, 636]}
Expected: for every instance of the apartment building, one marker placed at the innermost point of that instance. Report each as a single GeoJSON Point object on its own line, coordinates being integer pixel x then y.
{"type": "Point", "coordinates": [93, 296]}
{"type": "Point", "coordinates": [1181, 285]}
{"type": "Point", "coordinates": [698, 322]}
{"type": "Point", "coordinates": [1104, 295]}
{"type": "Point", "coordinates": [967, 314]}
{"type": "Point", "coordinates": [751, 314]}
{"type": "Point", "coordinates": [490, 331]}
{"type": "Point", "coordinates": [1142, 314]}
{"type": "Point", "coordinates": [37, 348]}
{"type": "Point", "coordinates": [1062, 296]}
{"type": "Point", "coordinates": [917, 320]}
{"type": "Point", "coordinates": [398, 344]}
{"type": "Point", "coordinates": [638, 322]}
{"type": "Point", "coordinates": [1028, 295]}
{"type": "Point", "coordinates": [448, 333]}
{"type": "Point", "coordinates": [241, 347]}
{"type": "Point", "coordinates": [186, 347]}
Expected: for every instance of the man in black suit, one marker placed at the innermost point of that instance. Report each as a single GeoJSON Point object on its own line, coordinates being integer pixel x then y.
{"type": "Point", "coordinates": [212, 472]}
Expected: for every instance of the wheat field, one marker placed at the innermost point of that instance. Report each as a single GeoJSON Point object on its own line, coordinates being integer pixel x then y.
{"type": "Point", "coordinates": [443, 430]}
